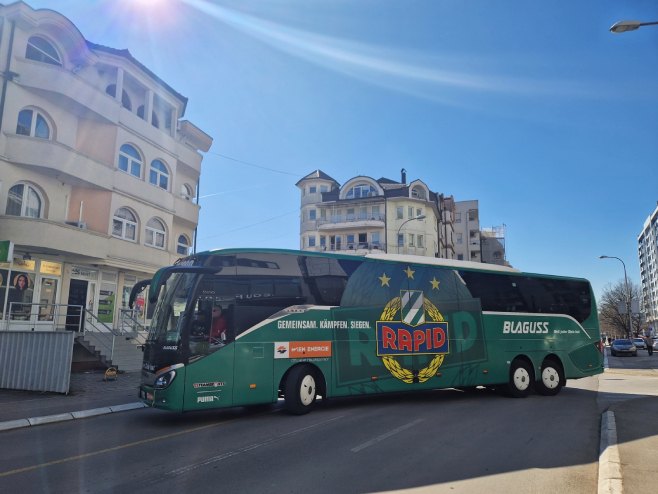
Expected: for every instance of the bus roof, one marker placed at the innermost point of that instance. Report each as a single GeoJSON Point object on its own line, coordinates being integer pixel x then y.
{"type": "Point", "coordinates": [433, 261]}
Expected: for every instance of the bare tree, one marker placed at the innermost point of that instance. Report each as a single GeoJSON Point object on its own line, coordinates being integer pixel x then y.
{"type": "Point", "coordinates": [613, 314]}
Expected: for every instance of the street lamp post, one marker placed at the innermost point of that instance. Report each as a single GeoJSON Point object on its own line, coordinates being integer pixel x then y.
{"type": "Point", "coordinates": [628, 293]}
{"type": "Point", "coordinates": [624, 26]}
{"type": "Point", "coordinates": [397, 237]}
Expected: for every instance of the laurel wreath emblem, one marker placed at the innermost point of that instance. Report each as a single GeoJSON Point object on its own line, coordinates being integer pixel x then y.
{"type": "Point", "coordinates": [393, 366]}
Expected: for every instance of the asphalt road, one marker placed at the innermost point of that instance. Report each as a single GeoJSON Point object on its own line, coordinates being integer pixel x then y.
{"type": "Point", "coordinates": [442, 441]}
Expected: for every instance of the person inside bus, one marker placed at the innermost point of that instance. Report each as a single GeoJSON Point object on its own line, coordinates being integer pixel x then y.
{"type": "Point", "coordinates": [218, 327]}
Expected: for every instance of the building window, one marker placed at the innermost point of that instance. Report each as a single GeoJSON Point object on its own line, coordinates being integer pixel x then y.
{"type": "Point", "coordinates": [323, 242]}
{"type": "Point", "coordinates": [361, 190]}
{"type": "Point", "coordinates": [130, 160]}
{"type": "Point", "coordinates": [418, 193]}
{"type": "Point", "coordinates": [124, 225]}
{"type": "Point", "coordinates": [400, 239]}
{"type": "Point", "coordinates": [24, 200]}
{"type": "Point", "coordinates": [472, 215]}
{"type": "Point", "coordinates": [32, 123]}
{"type": "Point", "coordinates": [186, 192]}
{"type": "Point", "coordinates": [458, 217]}
{"type": "Point", "coordinates": [419, 212]}
{"type": "Point", "coordinates": [410, 210]}
{"type": "Point", "coordinates": [400, 212]}
{"type": "Point", "coordinates": [311, 215]}
{"type": "Point", "coordinates": [374, 236]}
{"type": "Point", "coordinates": [375, 212]}
{"type": "Point", "coordinates": [311, 241]}
{"type": "Point", "coordinates": [324, 188]}
{"type": "Point", "coordinates": [350, 241]}
{"type": "Point", "coordinates": [312, 189]}
{"type": "Point", "coordinates": [183, 245]}
{"type": "Point", "coordinates": [420, 240]}
{"type": "Point", "coordinates": [155, 233]}
{"type": "Point", "coordinates": [363, 213]}
{"type": "Point", "coordinates": [411, 240]}
{"type": "Point", "coordinates": [159, 175]}
{"type": "Point", "coordinates": [459, 238]}
{"type": "Point", "coordinates": [125, 99]}
{"type": "Point", "coordinates": [363, 241]}
{"type": "Point", "coordinates": [460, 257]}
{"type": "Point", "coordinates": [350, 214]}
{"type": "Point", "coordinates": [42, 51]}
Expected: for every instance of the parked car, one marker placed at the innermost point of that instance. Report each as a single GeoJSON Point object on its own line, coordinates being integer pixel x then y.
{"type": "Point", "coordinates": [639, 343]}
{"type": "Point", "coordinates": [623, 347]}
{"type": "Point", "coordinates": [655, 343]}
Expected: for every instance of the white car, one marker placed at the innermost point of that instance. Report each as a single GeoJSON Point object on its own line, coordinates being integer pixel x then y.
{"type": "Point", "coordinates": [639, 343]}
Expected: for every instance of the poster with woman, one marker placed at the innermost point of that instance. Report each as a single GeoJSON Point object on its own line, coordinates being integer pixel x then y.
{"type": "Point", "coordinates": [20, 292]}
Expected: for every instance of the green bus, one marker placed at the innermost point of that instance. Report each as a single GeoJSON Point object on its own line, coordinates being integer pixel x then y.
{"type": "Point", "coordinates": [302, 325]}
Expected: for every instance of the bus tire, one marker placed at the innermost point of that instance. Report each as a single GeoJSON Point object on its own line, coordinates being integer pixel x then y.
{"type": "Point", "coordinates": [520, 379]}
{"type": "Point", "coordinates": [301, 389]}
{"type": "Point", "coordinates": [551, 380]}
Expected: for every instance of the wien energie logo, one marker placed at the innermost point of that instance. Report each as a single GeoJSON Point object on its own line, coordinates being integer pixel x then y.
{"type": "Point", "coordinates": [412, 335]}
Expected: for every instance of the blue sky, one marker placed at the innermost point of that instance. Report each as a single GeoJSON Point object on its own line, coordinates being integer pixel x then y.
{"type": "Point", "coordinates": [532, 107]}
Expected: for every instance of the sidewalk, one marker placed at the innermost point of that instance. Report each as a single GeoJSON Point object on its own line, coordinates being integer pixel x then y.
{"type": "Point", "coordinates": [89, 394]}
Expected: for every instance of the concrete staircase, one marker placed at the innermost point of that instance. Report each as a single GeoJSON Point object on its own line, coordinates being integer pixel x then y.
{"type": "Point", "coordinates": [121, 351]}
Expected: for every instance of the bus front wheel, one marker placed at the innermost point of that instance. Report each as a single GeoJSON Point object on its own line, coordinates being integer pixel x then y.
{"type": "Point", "coordinates": [552, 378]}
{"type": "Point", "coordinates": [301, 390]}
{"type": "Point", "coordinates": [520, 379]}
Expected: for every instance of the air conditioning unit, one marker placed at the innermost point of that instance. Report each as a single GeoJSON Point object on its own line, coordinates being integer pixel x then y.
{"type": "Point", "coordinates": [78, 224]}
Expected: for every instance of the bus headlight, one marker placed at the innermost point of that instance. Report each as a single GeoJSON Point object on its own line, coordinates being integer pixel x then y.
{"type": "Point", "coordinates": [164, 380]}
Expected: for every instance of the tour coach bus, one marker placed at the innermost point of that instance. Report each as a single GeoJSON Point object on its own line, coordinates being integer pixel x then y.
{"type": "Point", "coordinates": [298, 325]}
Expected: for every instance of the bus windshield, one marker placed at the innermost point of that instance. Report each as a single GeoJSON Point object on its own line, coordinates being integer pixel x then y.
{"type": "Point", "coordinates": [168, 320]}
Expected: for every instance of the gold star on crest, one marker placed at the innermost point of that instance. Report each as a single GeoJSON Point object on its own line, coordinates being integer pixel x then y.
{"type": "Point", "coordinates": [435, 283]}
{"type": "Point", "coordinates": [384, 279]}
{"type": "Point", "coordinates": [410, 273]}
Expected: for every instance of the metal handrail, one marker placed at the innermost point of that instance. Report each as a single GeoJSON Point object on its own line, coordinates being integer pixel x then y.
{"type": "Point", "coordinates": [22, 312]}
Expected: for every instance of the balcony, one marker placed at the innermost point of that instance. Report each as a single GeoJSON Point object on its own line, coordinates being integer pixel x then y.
{"type": "Point", "coordinates": [355, 248]}
{"type": "Point", "coordinates": [58, 158]}
{"type": "Point", "coordinates": [351, 222]}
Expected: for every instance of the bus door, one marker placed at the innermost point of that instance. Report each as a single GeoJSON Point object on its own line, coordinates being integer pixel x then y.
{"type": "Point", "coordinates": [470, 338]}
{"type": "Point", "coordinates": [209, 376]}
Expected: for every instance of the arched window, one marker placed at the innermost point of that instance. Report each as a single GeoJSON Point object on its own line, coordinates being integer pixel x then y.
{"type": "Point", "coordinates": [24, 200]}
{"type": "Point", "coordinates": [42, 50]}
{"type": "Point", "coordinates": [154, 118]}
{"type": "Point", "coordinates": [32, 123]}
{"type": "Point", "coordinates": [159, 175]}
{"type": "Point", "coordinates": [183, 245]}
{"type": "Point", "coordinates": [155, 233]}
{"type": "Point", "coordinates": [124, 225]}
{"type": "Point", "coordinates": [418, 193]}
{"type": "Point", "coordinates": [186, 192]}
{"type": "Point", "coordinates": [130, 161]}
{"type": "Point", "coordinates": [361, 190]}
{"type": "Point", "coordinates": [125, 99]}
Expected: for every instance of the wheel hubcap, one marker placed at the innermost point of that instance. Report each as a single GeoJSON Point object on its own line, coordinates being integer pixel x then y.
{"type": "Point", "coordinates": [521, 379]}
{"type": "Point", "coordinates": [307, 390]}
{"type": "Point", "coordinates": [550, 378]}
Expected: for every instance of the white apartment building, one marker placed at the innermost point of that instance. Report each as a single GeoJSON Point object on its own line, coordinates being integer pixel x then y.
{"type": "Point", "coordinates": [365, 215]}
{"type": "Point", "coordinates": [647, 253]}
{"type": "Point", "coordinates": [98, 171]}
{"type": "Point", "coordinates": [467, 231]}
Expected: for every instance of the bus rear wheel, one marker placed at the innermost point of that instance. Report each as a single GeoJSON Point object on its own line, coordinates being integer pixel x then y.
{"type": "Point", "coordinates": [552, 378]}
{"type": "Point", "coordinates": [520, 379]}
{"type": "Point", "coordinates": [301, 390]}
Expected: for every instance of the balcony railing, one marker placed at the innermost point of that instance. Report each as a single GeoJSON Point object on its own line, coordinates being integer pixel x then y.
{"type": "Point", "coordinates": [350, 218]}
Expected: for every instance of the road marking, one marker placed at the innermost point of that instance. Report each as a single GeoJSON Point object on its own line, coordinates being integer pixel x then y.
{"type": "Point", "coordinates": [386, 435]}
{"type": "Point", "coordinates": [109, 450]}
{"type": "Point", "coordinates": [251, 447]}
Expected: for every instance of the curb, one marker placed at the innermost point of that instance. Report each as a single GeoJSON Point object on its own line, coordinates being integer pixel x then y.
{"type": "Point", "coordinates": [610, 479]}
{"type": "Point", "coordinates": [62, 417]}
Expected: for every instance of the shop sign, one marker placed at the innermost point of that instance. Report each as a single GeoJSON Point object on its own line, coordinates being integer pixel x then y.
{"type": "Point", "coordinates": [49, 267]}
{"type": "Point", "coordinates": [80, 272]}
{"type": "Point", "coordinates": [6, 250]}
